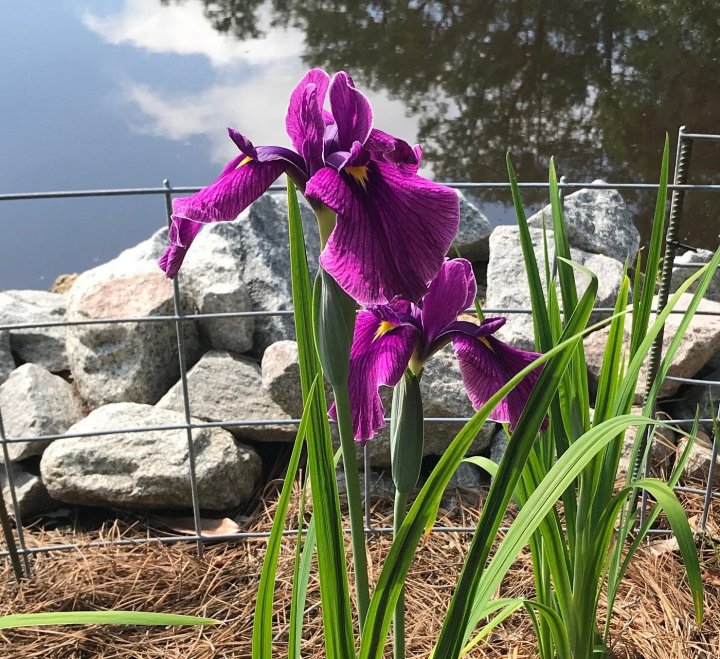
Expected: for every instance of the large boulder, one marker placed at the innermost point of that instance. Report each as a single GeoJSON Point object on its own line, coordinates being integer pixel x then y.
{"type": "Point", "coordinates": [257, 242]}
{"type": "Point", "coordinates": [147, 469]}
{"type": "Point", "coordinates": [225, 387]}
{"type": "Point", "coordinates": [38, 345]}
{"type": "Point", "coordinates": [700, 343]}
{"type": "Point", "coordinates": [596, 221]}
{"type": "Point", "coordinates": [212, 275]}
{"type": "Point", "coordinates": [687, 264]}
{"type": "Point", "coordinates": [472, 239]}
{"type": "Point", "coordinates": [444, 396]}
{"type": "Point", "coordinates": [34, 402]}
{"type": "Point", "coordinates": [508, 286]}
{"type": "Point", "coordinates": [133, 361]}
{"type": "Point", "coordinates": [7, 361]}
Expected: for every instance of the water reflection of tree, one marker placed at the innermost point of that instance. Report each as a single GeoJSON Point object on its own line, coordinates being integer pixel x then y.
{"type": "Point", "coordinates": [236, 17]}
{"type": "Point", "coordinates": [595, 83]}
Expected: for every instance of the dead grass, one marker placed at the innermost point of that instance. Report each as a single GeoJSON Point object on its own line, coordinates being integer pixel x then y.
{"type": "Point", "coordinates": [652, 619]}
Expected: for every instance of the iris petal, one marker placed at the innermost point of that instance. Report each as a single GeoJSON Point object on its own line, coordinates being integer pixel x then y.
{"type": "Point", "coordinates": [392, 231]}
{"type": "Point", "coordinates": [375, 362]}
{"type": "Point", "coordinates": [450, 293]}
{"type": "Point", "coordinates": [182, 233]}
{"type": "Point", "coordinates": [241, 182]}
{"type": "Point", "coordinates": [487, 364]}
{"type": "Point", "coordinates": [351, 111]}
{"type": "Point", "coordinates": [296, 117]}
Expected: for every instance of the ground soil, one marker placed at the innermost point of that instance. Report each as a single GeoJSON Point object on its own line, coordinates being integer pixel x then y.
{"type": "Point", "coordinates": [652, 619]}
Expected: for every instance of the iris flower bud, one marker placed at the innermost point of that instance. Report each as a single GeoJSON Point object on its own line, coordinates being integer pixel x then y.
{"type": "Point", "coordinates": [406, 433]}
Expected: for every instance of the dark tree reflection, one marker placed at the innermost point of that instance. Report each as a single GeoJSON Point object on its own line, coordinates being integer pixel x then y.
{"type": "Point", "coordinates": [235, 17]}
{"type": "Point", "coordinates": [597, 84]}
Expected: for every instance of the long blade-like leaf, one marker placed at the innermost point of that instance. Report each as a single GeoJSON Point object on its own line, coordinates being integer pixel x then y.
{"type": "Point", "coordinates": [334, 588]}
{"type": "Point", "coordinates": [100, 618]}
{"type": "Point", "coordinates": [262, 624]}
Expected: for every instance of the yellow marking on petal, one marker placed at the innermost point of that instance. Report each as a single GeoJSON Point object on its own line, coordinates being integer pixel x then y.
{"type": "Point", "coordinates": [384, 328]}
{"type": "Point", "coordinates": [485, 342]}
{"type": "Point", "coordinates": [360, 174]}
{"type": "Point", "coordinates": [245, 161]}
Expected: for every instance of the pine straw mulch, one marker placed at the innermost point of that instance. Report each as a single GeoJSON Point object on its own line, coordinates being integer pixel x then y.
{"type": "Point", "coordinates": [652, 619]}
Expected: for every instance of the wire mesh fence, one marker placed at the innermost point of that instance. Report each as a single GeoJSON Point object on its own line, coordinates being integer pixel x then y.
{"type": "Point", "coordinates": [679, 187]}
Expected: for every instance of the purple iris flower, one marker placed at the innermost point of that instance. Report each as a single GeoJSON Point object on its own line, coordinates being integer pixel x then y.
{"type": "Point", "coordinates": [393, 227]}
{"type": "Point", "coordinates": [391, 338]}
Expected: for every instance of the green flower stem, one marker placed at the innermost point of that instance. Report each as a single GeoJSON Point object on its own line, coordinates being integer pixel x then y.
{"type": "Point", "coordinates": [352, 486]}
{"type": "Point", "coordinates": [401, 499]}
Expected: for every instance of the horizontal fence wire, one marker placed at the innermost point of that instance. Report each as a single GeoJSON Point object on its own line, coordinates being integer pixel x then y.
{"type": "Point", "coordinates": [190, 425]}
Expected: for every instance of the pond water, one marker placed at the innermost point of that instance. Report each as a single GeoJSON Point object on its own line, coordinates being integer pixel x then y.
{"type": "Point", "coordinates": [125, 93]}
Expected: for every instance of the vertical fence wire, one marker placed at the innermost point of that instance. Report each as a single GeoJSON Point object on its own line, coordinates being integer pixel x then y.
{"type": "Point", "coordinates": [7, 527]}
{"type": "Point", "coordinates": [182, 361]}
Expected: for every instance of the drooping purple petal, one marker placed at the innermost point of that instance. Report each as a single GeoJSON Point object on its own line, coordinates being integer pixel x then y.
{"type": "Point", "coordinates": [375, 361]}
{"type": "Point", "coordinates": [449, 294]}
{"type": "Point", "coordinates": [392, 233]}
{"type": "Point", "coordinates": [242, 181]}
{"type": "Point", "coordinates": [297, 114]}
{"type": "Point", "coordinates": [351, 111]}
{"type": "Point", "coordinates": [182, 233]}
{"type": "Point", "coordinates": [486, 364]}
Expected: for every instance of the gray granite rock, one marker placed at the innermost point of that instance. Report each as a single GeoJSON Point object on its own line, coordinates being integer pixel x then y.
{"type": "Point", "coordinates": [34, 402]}
{"type": "Point", "coordinates": [39, 345]}
{"type": "Point", "coordinates": [258, 243]}
{"type": "Point", "coordinates": [468, 477]}
{"type": "Point", "coordinates": [698, 466]}
{"type": "Point", "coordinates": [7, 361]}
{"type": "Point", "coordinates": [662, 450]}
{"type": "Point", "coordinates": [687, 264]}
{"type": "Point", "coordinates": [508, 288]}
{"type": "Point", "coordinates": [133, 361]}
{"type": "Point", "coordinates": [596, 221]}
{"type": "Point", "coordinates": [700, 343]}
{"type": "Point", "coordinates": [31, 495]}
{"type": "Point", "coordinates": [223, 386]}
{"type": "Point", "coordinates": [281, 376]}
{"type": "Point", "coordinates": [473, 235]}
{"type": "Point", "coordinates": [707, 397]}
{"type": "Point", "coordinates": [498, 444]}
{"type": "Point", "coordinates": [212, 275]}
{"type": "Point", "coordinates": [444, 395]}
{"type": "Point", "coordinates": [147, 469]}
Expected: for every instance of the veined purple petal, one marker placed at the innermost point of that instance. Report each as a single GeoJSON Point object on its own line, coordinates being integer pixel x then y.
{"type": "Point", "coordinates": [374, 361]}
{"type": "Point", "coordinates": [391, 149]}
{"type": "Point", "coordinates": [392, 233]}
{"type": "Point", "coordinates": [296, 117]}
{"type": "Point", "coordinates": [182, 233]}
{"type": "Point", "coordinates": [243, 181]}
{"type": "Point", "coordinates": [313, 130]}
{"type": "Point", "coordinates": [486, 364]}
{"type": "Point", "coordinates": [351, 111]}
{"type": "Point", "coordinates": [268, 153]}
{"type": "Point", "coordinates": [449, 294]}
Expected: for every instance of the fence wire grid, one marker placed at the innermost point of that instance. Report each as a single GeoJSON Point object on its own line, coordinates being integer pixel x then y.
{"type": "Point", "coordinates": [679, 187]}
